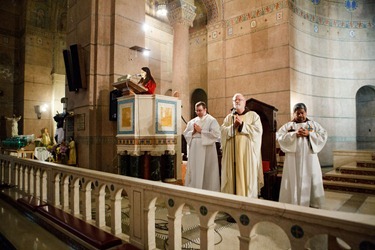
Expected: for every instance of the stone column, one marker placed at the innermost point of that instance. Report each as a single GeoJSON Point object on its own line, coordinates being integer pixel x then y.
{"type": "Point", "coordinates": [181, 14]}
{"type": "Point", "coordinates": [207, 234]}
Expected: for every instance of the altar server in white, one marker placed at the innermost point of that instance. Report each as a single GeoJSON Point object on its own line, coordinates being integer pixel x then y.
{"type": "Point", "coordinates": [301, 140]}
{"type": "Point", "coordinates": [201, 134]}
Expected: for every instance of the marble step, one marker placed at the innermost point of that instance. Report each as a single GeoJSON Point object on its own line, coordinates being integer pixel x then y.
{"type": "Point", "coordinates": [349, 187]}
{"type": "Point", "coordinates": [366, 164]}
{"type": "Point", "coordinates": [349, 178]}
{"type": "Point", "coordinates": [356, 170]}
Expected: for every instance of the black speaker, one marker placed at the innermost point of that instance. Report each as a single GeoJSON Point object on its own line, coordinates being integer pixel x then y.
{"type": "Point", "coordinates": [69, 70]}
{"type": "Point", "coordinates": [113, 104]}
{"type": "Point", "coordinates": [78, 64]}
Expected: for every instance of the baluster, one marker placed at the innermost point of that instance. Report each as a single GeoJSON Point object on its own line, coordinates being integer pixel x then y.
{"type": "Point", "coordinates": [44, 187]}
{"type": "Point", "coordinates": [116, 225]}
{"type": "Point", "coordinates": [65, 195]}
{"type": "Point", "coordinates": [207, 236]}
{"type": "Point", "coordinates": [174, 230]}
{"type": "Point", "coordinates": [86, 201]}
{"type": "Point", "coordinates": [21, 177]}
{"type": "Point", "coordinates": [16, 174]}
{"type": "Point", "coordinates": [26, 179]}
{"type": "Point", "coordinates": [37, 183]}
{"type": "Point", "coordinates": [9, 176]}
{"type": "Point", "coordinates": [56, 192]}
{"type": "Point", "coordinates": [150, 234]}
{"type": "Point", "coordinates": [74, 198]}
{"type": "Point", "coordinates": [100, 207]}
{"type": "Point", "coordinates": [31, 181]}
{"type": "Point", "coordinates": [245, 242]}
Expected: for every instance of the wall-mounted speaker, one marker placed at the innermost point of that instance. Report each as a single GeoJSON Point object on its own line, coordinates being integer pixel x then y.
{"type": "Point", "coordinates": [78, 64]}
{"type": "Point", "coordinates": [113, 95]}
{"type": "Point", "coordinates": [69, 70]}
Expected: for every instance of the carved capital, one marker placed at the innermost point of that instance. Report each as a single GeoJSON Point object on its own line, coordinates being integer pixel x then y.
{"type": "Point", "coordinates": [181, 11]}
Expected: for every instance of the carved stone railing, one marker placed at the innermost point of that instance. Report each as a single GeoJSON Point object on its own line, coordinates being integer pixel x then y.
{"type": "Point", "coordinates": [81, 191]}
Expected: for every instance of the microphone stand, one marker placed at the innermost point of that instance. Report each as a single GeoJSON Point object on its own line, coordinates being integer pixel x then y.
{"type": "Point", "coordinates": [234, 153]}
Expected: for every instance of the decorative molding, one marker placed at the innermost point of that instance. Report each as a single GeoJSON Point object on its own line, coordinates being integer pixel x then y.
{"type": "Point", "coordinates": [262, 11]}
{"type": "Point", "coordinates": [346, 24]}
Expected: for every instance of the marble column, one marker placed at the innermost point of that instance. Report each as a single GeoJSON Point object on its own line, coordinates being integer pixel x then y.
{"type": "Point", "coordinates": [181, 14]}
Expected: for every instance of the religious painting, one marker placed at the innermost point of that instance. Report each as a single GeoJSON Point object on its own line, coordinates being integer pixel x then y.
{"type": "Point", "coordinates": [125, 122]}
{"type": "Point", "coordinates": [166, 120]}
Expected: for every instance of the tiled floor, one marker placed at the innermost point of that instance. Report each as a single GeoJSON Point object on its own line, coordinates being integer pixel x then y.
{"type": "Point", "coordinates": [35, 237]}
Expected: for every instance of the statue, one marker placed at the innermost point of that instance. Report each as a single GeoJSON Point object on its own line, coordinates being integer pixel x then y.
{"type": "Point", "coordinates": [72, 152]}
{"type": "Point", "coordinates": [46, 139]}
{"type": "Point", "coordinates": [14, 121]}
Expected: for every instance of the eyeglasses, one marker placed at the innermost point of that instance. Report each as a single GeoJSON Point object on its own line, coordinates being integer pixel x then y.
{"type": "Point", "coordinates": [198, 110]}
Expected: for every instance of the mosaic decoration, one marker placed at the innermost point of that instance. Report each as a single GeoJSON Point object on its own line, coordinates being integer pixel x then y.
{"type": "Point", "coordinates": [257, 13]}
{"type": "Point", "coordinates": [244, 220]}
{"type": "Point", "coordinates": [331, 22]}
{"type": "Point", "coordinates": [308, 16]}
{"type": "Point", "coordinates": [351, 5]}
{"type": "Point", "coordinates": [203, 210]}
{"type": "Point", "coordinates": [315, 2]}
{"type": "Point", "coordinates": [316, 28]}
{"type": "Point", "coordinates": [212, 11]}
{"type": "Point", "coordinates": [297, 231]}
{"type": "Point", "coordinates": [147, 141]}
{"type": "Point", "coordinates": [171, 202]}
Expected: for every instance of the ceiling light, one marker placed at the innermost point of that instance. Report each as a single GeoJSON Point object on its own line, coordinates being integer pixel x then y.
{"type": "Point", "coordinates": [161, 9]}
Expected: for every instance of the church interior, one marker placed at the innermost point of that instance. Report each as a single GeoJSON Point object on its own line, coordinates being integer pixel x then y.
{"type": "Point", "coordinates": [62, 68]}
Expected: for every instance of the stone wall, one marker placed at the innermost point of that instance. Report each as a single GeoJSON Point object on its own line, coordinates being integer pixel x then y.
{"type": "Point", "coordinates": [284, 52]}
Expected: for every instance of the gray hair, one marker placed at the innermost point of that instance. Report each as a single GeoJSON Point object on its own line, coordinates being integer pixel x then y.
{"type": "Point", "coordinates": [299, 106]}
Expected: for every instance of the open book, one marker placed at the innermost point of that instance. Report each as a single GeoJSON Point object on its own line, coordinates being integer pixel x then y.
{"type": "Point", "coordinates": [129, 84]}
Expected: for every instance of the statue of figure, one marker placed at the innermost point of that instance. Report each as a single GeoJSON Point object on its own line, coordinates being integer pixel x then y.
{"type": "Point", "coordinates": [14, 121]}
{"type": "Point", "coordinates": [72, 152]}
{"type": "Point", "coordinates": [46, 139]}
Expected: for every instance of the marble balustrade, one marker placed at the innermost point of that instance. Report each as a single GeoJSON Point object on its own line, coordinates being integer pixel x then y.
{"type": "Point", "coordinates": [79, 191]}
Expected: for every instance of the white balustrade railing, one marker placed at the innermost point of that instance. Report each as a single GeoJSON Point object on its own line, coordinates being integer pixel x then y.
{"type": "Point", "coordinates": [80, 191]}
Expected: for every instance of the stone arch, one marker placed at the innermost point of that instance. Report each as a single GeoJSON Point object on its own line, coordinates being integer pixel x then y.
{"type": "Point", "coordinates": [365, 117]}
{"type": "Point", "coordinates": [324, 241]}
{"type": "Point", "coordinates": [268, 235]}
{"type": "Point", "coordinates": [196, 96]}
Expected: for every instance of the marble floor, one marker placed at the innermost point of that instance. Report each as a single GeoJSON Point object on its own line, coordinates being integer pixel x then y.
{"type": "Point", "coordinates": [25, 234]}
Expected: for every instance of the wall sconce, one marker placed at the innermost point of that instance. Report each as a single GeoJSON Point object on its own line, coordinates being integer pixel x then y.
{"type": "Point", "coordinates": [40, 109]}
{"type": "Point", "coordinates": [144, 51]}
{"type": "Point", "coordinates": [136, 49]}
{"type": "Point", "coordinates": [37, 111]}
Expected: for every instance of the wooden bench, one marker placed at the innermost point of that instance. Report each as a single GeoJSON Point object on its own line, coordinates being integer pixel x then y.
{"type": "Point", "coordinates": [91, 234]}
{"type": "Point", "coordinates": [31, 203]}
